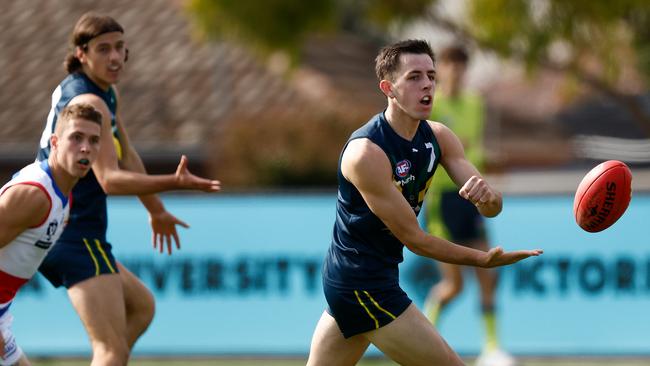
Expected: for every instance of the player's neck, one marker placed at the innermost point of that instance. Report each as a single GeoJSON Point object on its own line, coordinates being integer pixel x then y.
{"type": "Point", "coordinates": [402, 123]}
{"type": "Point", "coordinates": [101, 84]}
{"type": "Point", "coordinates": [61, 178]}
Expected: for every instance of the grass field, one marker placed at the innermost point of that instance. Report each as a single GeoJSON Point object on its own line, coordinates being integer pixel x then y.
{"type": "Point", "coordinates": [573, 361]}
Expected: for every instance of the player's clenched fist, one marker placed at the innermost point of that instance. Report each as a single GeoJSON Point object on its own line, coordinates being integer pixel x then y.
{"type": "Point", "coordinates": [482, 195]}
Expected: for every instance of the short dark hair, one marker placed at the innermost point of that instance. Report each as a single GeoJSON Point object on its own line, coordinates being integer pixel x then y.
{"type": "Point", "coordinates": [387, 60]}
{"type": "Point", "coordinates": [455, 54]}
{"type": "Point", "coordinates": [81, 110]}
{"type": "Point", "coordinates": [89, 26]}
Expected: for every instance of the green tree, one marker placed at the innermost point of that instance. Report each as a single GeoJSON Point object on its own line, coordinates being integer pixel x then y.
{"type": "Point", "coordinates": [265, 25]}
{"type": "Point", "coordinates": [614, 33]}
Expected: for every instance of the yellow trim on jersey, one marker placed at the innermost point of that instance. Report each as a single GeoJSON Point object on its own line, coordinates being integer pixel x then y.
{"type": "Point", "coordinates": [118, 147]}
{"type": "Point", "coordinates": [379, 307]}
{"type": "Point", "coordinates": [424, 191]}
{"type": "Point", "coordinates": [366, 308]}
{"type": "Point", "coordinates": [108, 263]}
{"type": "Point", "coordinates": [398, 185]}
{"type": "Point", "coordinates": [92, 256]}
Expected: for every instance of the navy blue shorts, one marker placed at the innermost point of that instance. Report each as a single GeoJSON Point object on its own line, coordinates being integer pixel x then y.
{"type": "Point", "coordinates": [360, 311]}
{"type": "Point", "coordinates": [70, 262]}
{"type": "Point", "coordinates": [461, 219]}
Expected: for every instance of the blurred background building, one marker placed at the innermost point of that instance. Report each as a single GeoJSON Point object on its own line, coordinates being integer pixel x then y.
{"type": "Point", "coordinates": [275, 116]}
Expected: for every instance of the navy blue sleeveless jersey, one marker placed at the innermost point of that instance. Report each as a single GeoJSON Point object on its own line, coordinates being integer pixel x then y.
{"type": "Point", "coordinates": [88, 214]}
{"type": "Point", "coordinates": [364, 254]}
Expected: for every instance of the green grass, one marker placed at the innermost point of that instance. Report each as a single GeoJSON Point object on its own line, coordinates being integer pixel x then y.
{"type": "Point", "coordinates": [573, 361]}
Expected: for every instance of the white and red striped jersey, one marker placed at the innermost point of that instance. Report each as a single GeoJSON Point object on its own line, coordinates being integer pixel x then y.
{"type": "Point", "coordinates": [20, 259]}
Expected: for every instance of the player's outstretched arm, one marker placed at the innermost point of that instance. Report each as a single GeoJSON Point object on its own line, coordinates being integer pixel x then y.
{"type": "Point", "coordinates": [125, 182]}
{"type": "Point", "coordinates": [366, 166]}
{"type": "Point", "coordinates": [118, 181]}
{"type": "Point", "coordinates": [132, 161]}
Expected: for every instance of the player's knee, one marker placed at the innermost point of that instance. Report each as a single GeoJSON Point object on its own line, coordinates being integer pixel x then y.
{"type": "Point", "coordinates": [143, 310]}
{"type": "Point", "coordinates": [148, 307]}
{"type": "Point", "coordinates": [451, 289]}
{"type": "Point", "coordinates": [113, 352]}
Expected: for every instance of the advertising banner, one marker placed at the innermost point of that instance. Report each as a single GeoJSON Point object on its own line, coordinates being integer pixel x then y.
{"type": "Point", "coordinates": [247, 280]}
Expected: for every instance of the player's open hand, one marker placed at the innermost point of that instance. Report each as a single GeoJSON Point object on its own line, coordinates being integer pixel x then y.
{"type": "Point", "coordinates": [497, 257]}
{"type": "Point", "coordinates": [163, 227]}
{"type": "Point", "coordinates": [187, 180]}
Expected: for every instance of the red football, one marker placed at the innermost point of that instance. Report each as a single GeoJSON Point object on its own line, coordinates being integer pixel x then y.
{"type": "Point", "coordinates": [602, 196]}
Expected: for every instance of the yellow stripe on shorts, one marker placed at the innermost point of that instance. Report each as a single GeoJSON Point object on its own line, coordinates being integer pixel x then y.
{"type": "Point", "coordinates": [379, 307]}
{"type": "Point", "coordinates": [367, 310]}
{"type": "Point", "coordinates": [108, 263]}
{"type": "Point", "coordinates": [92, 256]}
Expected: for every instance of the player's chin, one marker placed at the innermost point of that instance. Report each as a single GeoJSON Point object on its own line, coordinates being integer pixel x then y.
{"type": "Point", "coordinates": [82, 170]}
{"type": "Point", "coordinates": [422, 112]}
{"type": "Point", "coordinates": [112, 77]}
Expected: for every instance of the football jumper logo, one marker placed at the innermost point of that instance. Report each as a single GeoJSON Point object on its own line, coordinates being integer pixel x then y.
{"type": "Point", "coordinates": [402, 168]}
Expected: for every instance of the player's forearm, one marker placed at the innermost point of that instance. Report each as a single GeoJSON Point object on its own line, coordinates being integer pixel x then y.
{"type": "Point", "coordinates": [419, 242]}
{"type": "Point", "coordinates": [446, 251]}
{"type": "Point", "coordinates": [152, 203]}
{"type": "Point", "coordinates": [124, 182]}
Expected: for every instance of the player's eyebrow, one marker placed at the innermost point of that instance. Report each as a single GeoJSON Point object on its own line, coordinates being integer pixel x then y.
{"type": "Point", "coordinates": [119, 43]}
{"type": "Point", "coordinates": [417, 72]}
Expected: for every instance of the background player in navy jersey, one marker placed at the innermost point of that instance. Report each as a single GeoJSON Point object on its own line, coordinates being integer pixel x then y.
{"type": "Point", "coordinates": [384, 172]}
{"type": "Point", "coordinates": [34, 207]}
{"type": "Point", "coordinates": [114, 306]}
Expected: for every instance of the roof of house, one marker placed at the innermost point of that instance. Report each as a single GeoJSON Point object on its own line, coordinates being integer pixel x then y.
{"type": "Point", "coordinates": [175, 86]}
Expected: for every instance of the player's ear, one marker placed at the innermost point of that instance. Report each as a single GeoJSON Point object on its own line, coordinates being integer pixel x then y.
{"type": "Point", "coordinates": [79, 51]}
{"type": "Point", "coordinates": [54, 141]}
{"type": "Point", "coordinates": [387, 88]}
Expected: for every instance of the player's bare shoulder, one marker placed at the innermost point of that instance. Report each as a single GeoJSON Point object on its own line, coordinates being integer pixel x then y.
{"type": "Point", "coordinates": [361, 148]}
{"type": "Point", "coordinates": [25, 203]}
{"type": "Point", "coordinates": [444, 135]}
{"type": "Point", "coordinates": [363, 158]}
{"type": "Point", "coordinates": [439, 128]}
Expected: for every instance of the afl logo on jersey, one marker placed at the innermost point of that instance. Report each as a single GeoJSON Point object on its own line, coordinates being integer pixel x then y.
{"type": "Point", "coordinates": [51, 230]}
{"type": "Point", "coordinates": [402, 168]}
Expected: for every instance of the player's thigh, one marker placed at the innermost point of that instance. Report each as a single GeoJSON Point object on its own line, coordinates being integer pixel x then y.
{"type": "Point", "coordinates": [137, 297]}
{"type": "Point", "coordinates": [329, 347]}
{"type": "Point", "coordinates": [99, 301]}
{"type": "Point", "coordinates": [411, 340]}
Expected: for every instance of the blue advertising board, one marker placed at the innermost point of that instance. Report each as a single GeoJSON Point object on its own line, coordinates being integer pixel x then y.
{"type": "Point", "coordinates": [247, 280]}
